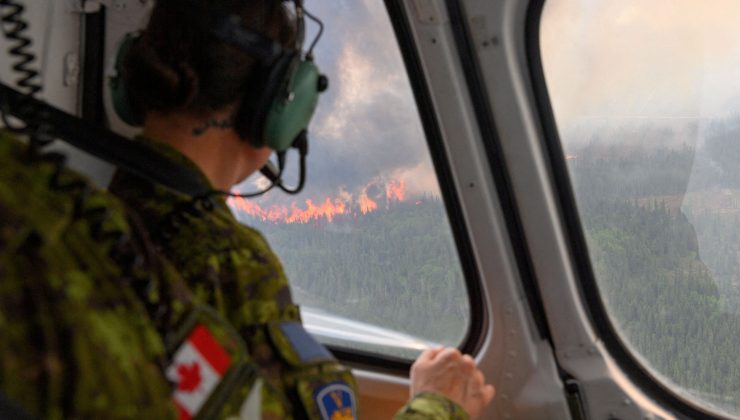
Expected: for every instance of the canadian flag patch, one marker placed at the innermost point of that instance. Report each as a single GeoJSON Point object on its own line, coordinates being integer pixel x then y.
{"type": "Point", "coordinates": [196, 370]}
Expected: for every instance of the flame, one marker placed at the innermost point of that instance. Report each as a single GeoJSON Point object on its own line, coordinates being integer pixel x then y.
{"type": "Point", "coordinates": [328, 209]}
{"type": "Point", "coordinates": [395, 191]}
{"type": "Point", "coordinates": [367, 205]}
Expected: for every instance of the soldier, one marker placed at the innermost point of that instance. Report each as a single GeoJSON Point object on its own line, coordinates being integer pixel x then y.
{"type": "Point", "coordinates": [95, 323]}
{"type": "Point", "coordinates": [202, 104]}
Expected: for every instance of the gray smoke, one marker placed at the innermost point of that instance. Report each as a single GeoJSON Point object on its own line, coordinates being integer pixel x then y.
{"type": "Point", "coordinates": [367, 128]}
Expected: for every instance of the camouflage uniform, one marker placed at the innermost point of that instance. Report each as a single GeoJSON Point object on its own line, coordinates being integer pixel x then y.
{"type": "Point", "coordinates": [431, 406]}
{"type": "Point", "coordinates": [76, 341]}
{"type": "Point", "coordinates": [231, 267]}
{"type": "Point", "coordinates": [93, 320]}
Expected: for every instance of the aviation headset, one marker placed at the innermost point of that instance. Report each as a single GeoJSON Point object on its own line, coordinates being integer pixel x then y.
{"type": "Point", "coordinates": [292, 81]}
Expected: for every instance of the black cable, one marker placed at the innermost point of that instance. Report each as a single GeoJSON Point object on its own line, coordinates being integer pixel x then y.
{"type": "Point", "coordinates": [315, 41]}
{"type": "Point", "coordinates": [269, 172]}
{"type": "Point", "coordinates": [276, 180]}
{"type": "Point", "coordinates": [14, 27]}
{"type": "Point", "coordinates": [134, 157]}
{"type": "Point", "coordinates": [300, 143]}
{"type": "Point", "coordinates": [244, 195]}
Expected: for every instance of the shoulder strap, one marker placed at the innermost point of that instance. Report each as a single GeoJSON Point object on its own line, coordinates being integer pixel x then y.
{"type": "Point", "coordinates": [104, 144]}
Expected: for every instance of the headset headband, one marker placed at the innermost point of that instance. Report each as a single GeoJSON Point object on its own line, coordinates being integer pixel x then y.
{"type": "Point", "coordinates": [228, 28]}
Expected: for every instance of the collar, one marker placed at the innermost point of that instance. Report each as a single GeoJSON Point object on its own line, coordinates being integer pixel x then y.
{"type": "Point", "coordinates": [188, 169]}
{"type": "Point", "coordinates": [168, 152]}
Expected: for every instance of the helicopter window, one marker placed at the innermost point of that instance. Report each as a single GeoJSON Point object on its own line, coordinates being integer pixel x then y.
{"type": "Point", "coordinates": [647, 104]}
{"type": "Point", "coordinates": [367, 245]}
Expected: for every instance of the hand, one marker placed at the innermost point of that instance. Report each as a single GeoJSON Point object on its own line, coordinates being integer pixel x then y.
{"type": "Point", "coordinates": [447, 372]}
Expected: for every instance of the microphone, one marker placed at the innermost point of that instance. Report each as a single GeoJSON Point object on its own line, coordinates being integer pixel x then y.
{"type": "Point", "coordinates": [274, 173]}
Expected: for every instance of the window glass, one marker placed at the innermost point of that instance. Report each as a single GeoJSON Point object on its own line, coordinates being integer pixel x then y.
{"type": "Point", "coordinates": [646, 96]}
{"type": "Point", "coordinates": [367, 245]}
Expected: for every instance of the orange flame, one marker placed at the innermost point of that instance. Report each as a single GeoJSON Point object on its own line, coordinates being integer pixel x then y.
{"type": "Point", "coordinates": [327, 210]}
{"type": "Point", "coordinates": [367, 205]}
{"type": "Point", "coordinates": [395, 190]}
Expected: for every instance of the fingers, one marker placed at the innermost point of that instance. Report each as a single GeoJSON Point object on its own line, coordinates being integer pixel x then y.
{"type": "Point", "coordinates": [477, 379]}
{"type": "Point", "coordinates": [448, 355]}
{"type": "Point", "coordinates": [477, 394]}
{"type": "Point", "coordinates": [467, 365]}
{"type": "Point", "coordinates": [488, 392]}
{"type": "Point", "coordinates": [448, 372]}
{"type": "Point", "coordinates": [429, 354]}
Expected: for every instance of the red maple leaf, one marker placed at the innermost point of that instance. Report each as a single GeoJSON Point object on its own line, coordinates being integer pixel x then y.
{"type": "Point", "coordinates": [189, 377]}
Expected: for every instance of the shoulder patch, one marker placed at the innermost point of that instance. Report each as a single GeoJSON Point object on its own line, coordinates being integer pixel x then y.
{"type": "Point", "coordinates": [336, 401]}
{"type": "Point", "coordinates": [197, 368]}
{"type": "Point", "coordinates": [304, 345]}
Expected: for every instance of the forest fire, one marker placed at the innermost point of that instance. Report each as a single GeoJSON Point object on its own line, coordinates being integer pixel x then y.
{"type": "Point", "coordinates": [395, 191]}
{"type": "Point", "coordinates": [366, 202]}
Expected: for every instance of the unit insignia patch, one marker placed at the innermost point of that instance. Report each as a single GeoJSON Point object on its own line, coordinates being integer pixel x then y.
{"type": "Point", "coordinates": [336, 401]}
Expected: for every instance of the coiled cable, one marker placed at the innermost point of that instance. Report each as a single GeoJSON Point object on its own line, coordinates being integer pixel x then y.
{"type": "Point", "coordinates": [14, 29]}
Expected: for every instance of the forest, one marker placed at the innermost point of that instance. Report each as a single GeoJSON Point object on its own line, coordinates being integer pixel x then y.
{"type": "Point", "coordinates": [396, 267]}
{"type": "Point", "coordinates": [663, 230]}
{"type": "Point", "coordinates": [661, 218]}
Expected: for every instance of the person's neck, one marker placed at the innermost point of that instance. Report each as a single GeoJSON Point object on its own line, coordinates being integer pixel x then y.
{"type": "Point", "coordinates": [209, 142]}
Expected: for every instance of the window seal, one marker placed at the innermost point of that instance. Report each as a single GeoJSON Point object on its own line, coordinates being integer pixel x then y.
{"type": "Point", "coordinates": [586, 278]}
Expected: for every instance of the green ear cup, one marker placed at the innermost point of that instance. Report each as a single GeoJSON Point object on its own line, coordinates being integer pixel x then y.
{"type": "Point", "coordinates": [119, 94]}
{"type": "Point", "coordinates": [289, 116]}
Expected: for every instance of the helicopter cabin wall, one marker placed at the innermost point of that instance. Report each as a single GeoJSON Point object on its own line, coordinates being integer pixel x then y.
{"type": "Point", "coordinates": [56, 31]}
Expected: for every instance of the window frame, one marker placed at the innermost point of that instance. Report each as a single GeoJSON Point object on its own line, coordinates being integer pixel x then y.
{"type": "Point", "coordinates": [474, 337]}
{"type": "Point", "coordinates": [626, 359]}
{"type": "Point", "coordinates": [495, 155]}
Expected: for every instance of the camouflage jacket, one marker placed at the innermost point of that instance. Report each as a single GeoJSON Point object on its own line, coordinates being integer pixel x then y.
{"type": "Point", "coordinates": [426, 406]}
{"type": "Point", "coordinates": [76, 338]}
{"type": "Point", "coordinates": [95, 323]}
{"type": "Point", "coordinates": [232, 268]}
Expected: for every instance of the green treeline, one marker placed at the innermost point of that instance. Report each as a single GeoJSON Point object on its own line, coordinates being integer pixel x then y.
{"type": "Point", "coordinates": [661, 287]}
{"type": "Point", "coordinates": [396, 268]}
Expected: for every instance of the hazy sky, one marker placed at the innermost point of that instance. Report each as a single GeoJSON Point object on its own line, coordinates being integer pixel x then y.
{"type": "Point", "coordinates": [613, 61]}
{"type": "Point", "coordinates": [641, 58]}
{"type": "Point", "coordinates": [607, 63]}
{"type": "Point", "coordinates": [366, 129]}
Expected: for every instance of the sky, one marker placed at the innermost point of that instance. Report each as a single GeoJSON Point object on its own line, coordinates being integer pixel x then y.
{"type": "Point", "coordinates": [366, 130]}
{"type": "Point", "coordinates": [633, 60]}
{"type": "Point", "coordinates": [607, 63]}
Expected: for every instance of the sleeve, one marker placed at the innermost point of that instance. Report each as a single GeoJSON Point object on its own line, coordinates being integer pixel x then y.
{"type": "Point", "coordinates": [429, 406]}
